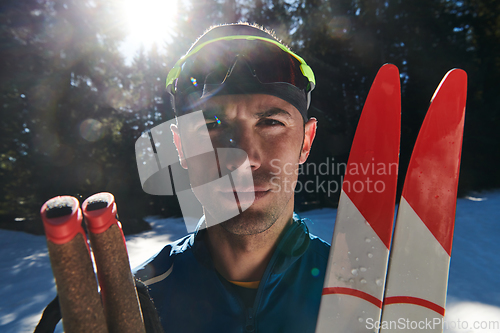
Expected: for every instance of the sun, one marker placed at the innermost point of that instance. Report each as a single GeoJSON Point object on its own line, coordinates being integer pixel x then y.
{"type": "Point", "coordinates": [149, 21]}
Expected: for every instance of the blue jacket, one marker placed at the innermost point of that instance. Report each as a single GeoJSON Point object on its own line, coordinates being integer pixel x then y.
{"type": "Point", "coordinates": [191, 296]}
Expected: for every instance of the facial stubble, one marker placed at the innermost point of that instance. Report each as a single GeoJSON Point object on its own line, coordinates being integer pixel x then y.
{"type": "Point", "coordinates": [248, 222]}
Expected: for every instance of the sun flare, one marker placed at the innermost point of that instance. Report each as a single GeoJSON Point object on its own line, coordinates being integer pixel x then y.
{"type": "Point", "coordinates": [149, 21]}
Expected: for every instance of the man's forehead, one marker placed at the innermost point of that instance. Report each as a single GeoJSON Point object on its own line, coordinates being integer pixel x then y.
{"type": "Point", "coordinates": [255, 105]}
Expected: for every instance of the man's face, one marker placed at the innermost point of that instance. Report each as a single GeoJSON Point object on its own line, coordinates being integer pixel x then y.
{"type": "Point", "coordinates": [261, 136]}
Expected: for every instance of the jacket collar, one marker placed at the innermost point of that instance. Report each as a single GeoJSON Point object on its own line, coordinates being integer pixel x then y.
{"type": "Point", "coordinates": [292, 245]}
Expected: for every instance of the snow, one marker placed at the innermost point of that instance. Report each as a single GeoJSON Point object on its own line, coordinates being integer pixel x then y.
{"type": "Point", "coordinates": [473, 294]}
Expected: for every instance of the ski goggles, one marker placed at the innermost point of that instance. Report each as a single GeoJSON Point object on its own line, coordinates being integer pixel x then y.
{"type": "Point", "coordinates": [211, 63]}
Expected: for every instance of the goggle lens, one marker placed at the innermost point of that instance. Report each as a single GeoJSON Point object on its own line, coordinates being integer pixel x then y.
{"type": "Point", "coordinates": [267, 62]}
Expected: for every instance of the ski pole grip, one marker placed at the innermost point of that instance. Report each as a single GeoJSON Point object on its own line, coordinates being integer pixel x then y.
{"type": "Point", "coordinates": [62, 219]}
{"type": "Point", "coordinates": [100, 212]}
{"type": "Point", "coordinates": [79, 299]}
{"type": "Point", "coordinates": [121, 304]}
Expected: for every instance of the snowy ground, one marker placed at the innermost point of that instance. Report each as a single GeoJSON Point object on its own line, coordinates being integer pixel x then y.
{"type": "Point", "coordinates": [473, 293]}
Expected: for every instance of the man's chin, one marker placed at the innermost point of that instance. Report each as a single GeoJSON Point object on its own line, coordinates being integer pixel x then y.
{"type": "Point", "coordinates": [248, 223]}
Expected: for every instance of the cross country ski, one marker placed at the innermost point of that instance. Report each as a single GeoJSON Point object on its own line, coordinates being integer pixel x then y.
{"type": "Point", "coordinates": [355, 277]}
{"type": "Point", "coordinates": [415, 290]}
{"type": "Point", "coordinates": [420, 255]}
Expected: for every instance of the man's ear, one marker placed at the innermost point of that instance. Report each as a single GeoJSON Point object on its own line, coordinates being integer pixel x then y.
{"type": "Point", "coordinates": [178, 144]}
{"type": "Point", "coordinates": [309, 134]}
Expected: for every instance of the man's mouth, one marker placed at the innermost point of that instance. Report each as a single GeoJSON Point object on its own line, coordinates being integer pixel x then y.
{"type": "Point", "coordinates": [246, 196]}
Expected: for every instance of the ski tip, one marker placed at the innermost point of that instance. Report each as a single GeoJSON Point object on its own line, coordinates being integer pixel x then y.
{"type": "Point", "coordinates": [456, 77]}
{"type": "Point", "coordinates": [388, 70]}
{"type": "Point", "coordinates": [386, 89]}
{"type": "Point", "coordinates": [432, 178]}
{"type": "Point", "coordinates": [389, 66]}
{"type": "Point", "coordinates": [457, 72]}
{"type": "Point", "coordinates": [376, 145]}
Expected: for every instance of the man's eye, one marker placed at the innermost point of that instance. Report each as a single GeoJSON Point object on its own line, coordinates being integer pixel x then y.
{"type": "Point", "coordinates": [213, 123]}
{"type": "Point", "coordinates": [272, 122]}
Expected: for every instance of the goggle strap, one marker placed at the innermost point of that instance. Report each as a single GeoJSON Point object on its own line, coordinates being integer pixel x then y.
{"type": "Point", "coordinates": [176, 70]}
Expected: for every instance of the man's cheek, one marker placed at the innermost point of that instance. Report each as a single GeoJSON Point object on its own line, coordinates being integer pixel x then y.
{"type": "Point", "coordinates": [276, 168]}
{"type": "Point", "coordinates": [275, 182]}
{"type": "Point", "coordinates": [288, 168]}
{"type": "Point", "coordinates": [203, 168]}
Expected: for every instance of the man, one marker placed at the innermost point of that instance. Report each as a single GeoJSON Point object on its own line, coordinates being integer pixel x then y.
{"type": "Point", "coordinates": [251, 265]}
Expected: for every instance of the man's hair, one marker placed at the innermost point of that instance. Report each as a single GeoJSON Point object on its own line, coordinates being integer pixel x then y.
{"type": "Point", "coordinates": [266, 32]}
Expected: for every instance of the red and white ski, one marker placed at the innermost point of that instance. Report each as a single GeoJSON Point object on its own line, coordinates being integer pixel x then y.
{"type": "Point", "coordinates": [357, 265]}
{"type": "Point", "coordinates": [418, 273]}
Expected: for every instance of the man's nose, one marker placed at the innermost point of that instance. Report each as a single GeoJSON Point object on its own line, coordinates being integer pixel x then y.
{"type": "Point", "coordinates": [243, 143]}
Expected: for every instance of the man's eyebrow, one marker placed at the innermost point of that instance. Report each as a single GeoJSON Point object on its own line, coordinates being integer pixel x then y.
{"type": "Point", "coordinates": [213, 111]}
{"type": "Point", "coordinates": [273, 112]}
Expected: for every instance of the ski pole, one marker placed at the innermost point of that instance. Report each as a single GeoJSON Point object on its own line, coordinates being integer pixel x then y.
{"type": "Point", "coordinates": [79, 299]}
{"type": "Point", "coordinates": [121, 305]}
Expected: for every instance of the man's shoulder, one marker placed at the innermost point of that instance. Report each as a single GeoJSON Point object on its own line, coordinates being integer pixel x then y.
{"type": "Point", "coordinates": [319, 245]}
{"type": "Point", "coordinates": [162, 262]}
{"type": "Point", "coordinates": [316, 246]}
{"type": "Point", "coordinates": [175, 248]}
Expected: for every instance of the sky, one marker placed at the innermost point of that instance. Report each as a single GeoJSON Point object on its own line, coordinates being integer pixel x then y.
{"type": "Point", "coordinates": [146, 22]}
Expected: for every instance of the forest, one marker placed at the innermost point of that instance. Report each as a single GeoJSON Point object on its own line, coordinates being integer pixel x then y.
{"type": "Point", "coordinates": [72, 106]}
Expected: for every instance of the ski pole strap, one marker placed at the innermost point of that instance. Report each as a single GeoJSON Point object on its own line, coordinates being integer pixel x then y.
{"type": "Point", "coordinates": [149, 314]}
{"type": "Point", "coordinates": [50, 317]}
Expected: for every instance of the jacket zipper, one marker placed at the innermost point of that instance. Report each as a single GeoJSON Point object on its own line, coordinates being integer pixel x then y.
{"type": "Point", "coordinates": [250, 322]}
{"type": "Point", "coordinates": [250, 316]}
